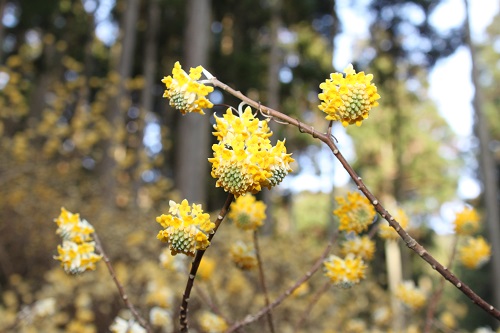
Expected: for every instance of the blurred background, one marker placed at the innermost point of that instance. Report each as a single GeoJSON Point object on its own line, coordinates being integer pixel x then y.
{"type": "Point", "coordinates": [83, 125]}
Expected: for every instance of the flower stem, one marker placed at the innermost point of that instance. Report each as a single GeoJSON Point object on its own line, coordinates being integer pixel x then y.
{"type": "Point", "coordinates": [262, 279]}
{"type": "Point", "coordinates": [196, 264]}
{"type": "Point", "coordinates": [410, 241]}
{"type": "Point", "coordinates": [119, 286]}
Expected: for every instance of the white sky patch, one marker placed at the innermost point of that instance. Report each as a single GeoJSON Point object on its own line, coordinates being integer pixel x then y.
{"type": "Point", "coordinates": [452, 90]}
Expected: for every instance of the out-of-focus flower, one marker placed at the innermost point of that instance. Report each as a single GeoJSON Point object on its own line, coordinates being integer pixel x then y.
{"type": "Point", "coordinates": [77, 258]}
{"type": "Point", "coordinates": [387, 232]}
{"type": "Point", "coordinates": [244, 159]}
{"type": "Point", "coordinates": [206, 268]}
{"type": "Point", "coordinates": [448, 319]}
{"type": "Point", "coordinates": [184, 91]}
{"type": "Point", "coordinates": [466, 222]}
{"type": "Point", "coordinates": [212, 323]}
{"type": "Point", "coordinates": [243, 256]}
{"type": "Point", "coordinates": [247, 212]}
{"type": "Point", "coordinates": [302, 290]}
{"type": "Point", "coordinates": [160, 317]}
{"type": "Point", "coordinates": [381, 315]}
{"type": "Point", "coordinates": [355, 325]}
{"type": "Point", "coordinates": [355, 212]}
{"type": "Point", "coordinates": [348, 99]}
{"type": "Point", "coordinates": [362, 246]}
{"type": "Point", "coordinates": [186, 228]}
{"type": "Point", "coordinates": [77, 253]}
{"type": "Point", "coordinates": [159, 295]}
{"type": "Point", "coordinates": [121, 325]}
{"type": "Point", "coordinates": [412, 296]}
{"type": "Point", "coordinates": [45, 307]}
{"type": "Point", "coordinates": [345, 272]}
{"type": "Point", "coordinates": [475, 253]}
{"type": "Point", "coordinates": [71, 227]}
{"type": "Point", "coordinates": [177, 264]}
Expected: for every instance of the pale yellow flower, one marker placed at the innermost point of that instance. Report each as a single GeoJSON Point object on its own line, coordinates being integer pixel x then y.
{"type": "Point", "coordinates": [348, 99]}
{"type": "Point", "coordinates": [77, 258]}
{"type": "Point", "coordinates": [345, 272]}
{"type": "Point", "coordinates": [466, 222]}
{"type": "Point", "coordinates": [243, 255]}
{"type": "Point", "coordinates": [355, 212]}
{"type": "Point", "coordinates": [475, 253]}
{"type": "Point", "coordinates": [184, 91]}
{"type": "Point", "coordinates": [362, 246]}
{"type": "Point", "coordinates": [187, 228]}
{"type": "Point", "coordinates": [72, 228]}
{"type": "Point", "coordinates": [412, 296]}
{"type": "Point", "coordinates": [244, 159]}
{"type": "Point", "coordinates": [247, 212]}
{"type": "Point", "coordinates": [206, 268]}
{"type": "Point", "coordinates": [212, 323]}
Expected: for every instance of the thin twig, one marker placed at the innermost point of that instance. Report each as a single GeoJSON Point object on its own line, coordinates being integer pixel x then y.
{"type": "Point", "coordinates": [315, 267]}
{"type": "Point", "coordinates": [194, 267]}
{"type": "Point", "coordinates": [410, 241]}
{"type": "Point", "coordinates": [119, 286]}
{"type": "Point", "coordinates": [262, 279]}
{"type": "Point", "coordinates": [324, 288]}
{"type": "Point", "coordinates": [429, 317]}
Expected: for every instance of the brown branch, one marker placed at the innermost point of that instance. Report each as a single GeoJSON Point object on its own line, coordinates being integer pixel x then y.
{"type": "Point", "coordinates": [196, 263]}
{"type": "Point", "coordinates": [410, 241]}
{"type": "Point", "coordinates": [262, 279]}
{"type": "Point", "coordinates": [119, 286]}
{"type": "Point", "coordinates": [429, 317]}
{"type": "Point", "coordinates": [315, 267]}
{"type": "Point", "coordinates": [311, 304]}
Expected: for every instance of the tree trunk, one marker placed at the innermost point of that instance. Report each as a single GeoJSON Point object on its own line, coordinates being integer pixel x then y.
{"type": "Point", "coordinates": [487, 169]}
{"type": "Point", "coordinates": [193, 134]}
{"type": "Point", "coordinates": [150, 62]}
{"type": "Point", "coordinates": [114, 114]}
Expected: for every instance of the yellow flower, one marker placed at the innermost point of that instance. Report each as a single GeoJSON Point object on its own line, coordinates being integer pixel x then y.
{"type": "Point", "coordinates": [72, 228]}
{"type": "Point", "coordinates": [345, 272]}
{"type": "Point", "coordinates": [348, 99]}
{"type": "Point", "coordinates": [387, 232]}
{"type": "Point", "coordinates": [363, 247]}
{"type": "Point", "coordinates": [77, 258]}
{"type": "Point", "coordinates": [212, 323]}
{"type": "Point", "coordinates": [355, 213]}
{"type": "Point", "coordinates": [475, 253]}
{"type": "Point", "coordinates": [466, 222]}
{"type": "Point", "coordinates": [248, 213]}
{"type": "Point", "coordinates": [243, 255]}
{"type": "Point", "coordinates": [410, 295]}
{"type": "Point", "coordinates": [244, 159]}
{"type": "Point", "coordinates": [206, 268]}
{"type": "Point", "coordinates": [186, 228]}
{"type": "Point", "coordinates": [184, 91]}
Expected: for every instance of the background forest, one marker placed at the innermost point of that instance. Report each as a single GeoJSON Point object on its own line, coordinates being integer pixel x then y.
{"type": "Point", "coordinates": [83, 125]}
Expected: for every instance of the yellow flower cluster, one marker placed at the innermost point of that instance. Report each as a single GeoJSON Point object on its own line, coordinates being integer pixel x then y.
{"type": "Point", "coordinates": [244, 159]}
{"type": "Point", "coordinates": [410, 295]}
{"type": "Point", "coordinates": [186, 228]}
{"type": "Point", "coordinates": [466, 222]}
{"type": "Point", "coordinates": [355, 212]}
{"type": "Point", "coordinates": [345, 272]}
{"type": "Point", "coordinates": [348, 99]}
{"type": "Point", "coordinates": [184, 91]}
{"type": "Point", "coordinates": [362, 246]}
{"type": "Point", "coordinates": [206, 268]}
{"type": "Point", "coordinates": [77, 253]}
{"type": "Point", "coordinates": [243, 256]}
{"type": "Point", "coordinates": [475, 253]}
{"type": "Point", "coordinates": [387, 232]}
{"type": "Point", "coordinates": [247, 212]}
{"type": "Point", "coordinates": [212, 323]}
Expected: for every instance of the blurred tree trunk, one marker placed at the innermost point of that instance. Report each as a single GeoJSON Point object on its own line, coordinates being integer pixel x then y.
{"type": "Point", "coordinates": [193, 133]}
{"type": "Point", "coordinates": [114, 114]}
{"type": "Point", "coordinates": [273, 93]}
{"type": "Point", "coordinates": [487, 168]}
{"type": "Point", "coordinates": [150, 62]}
